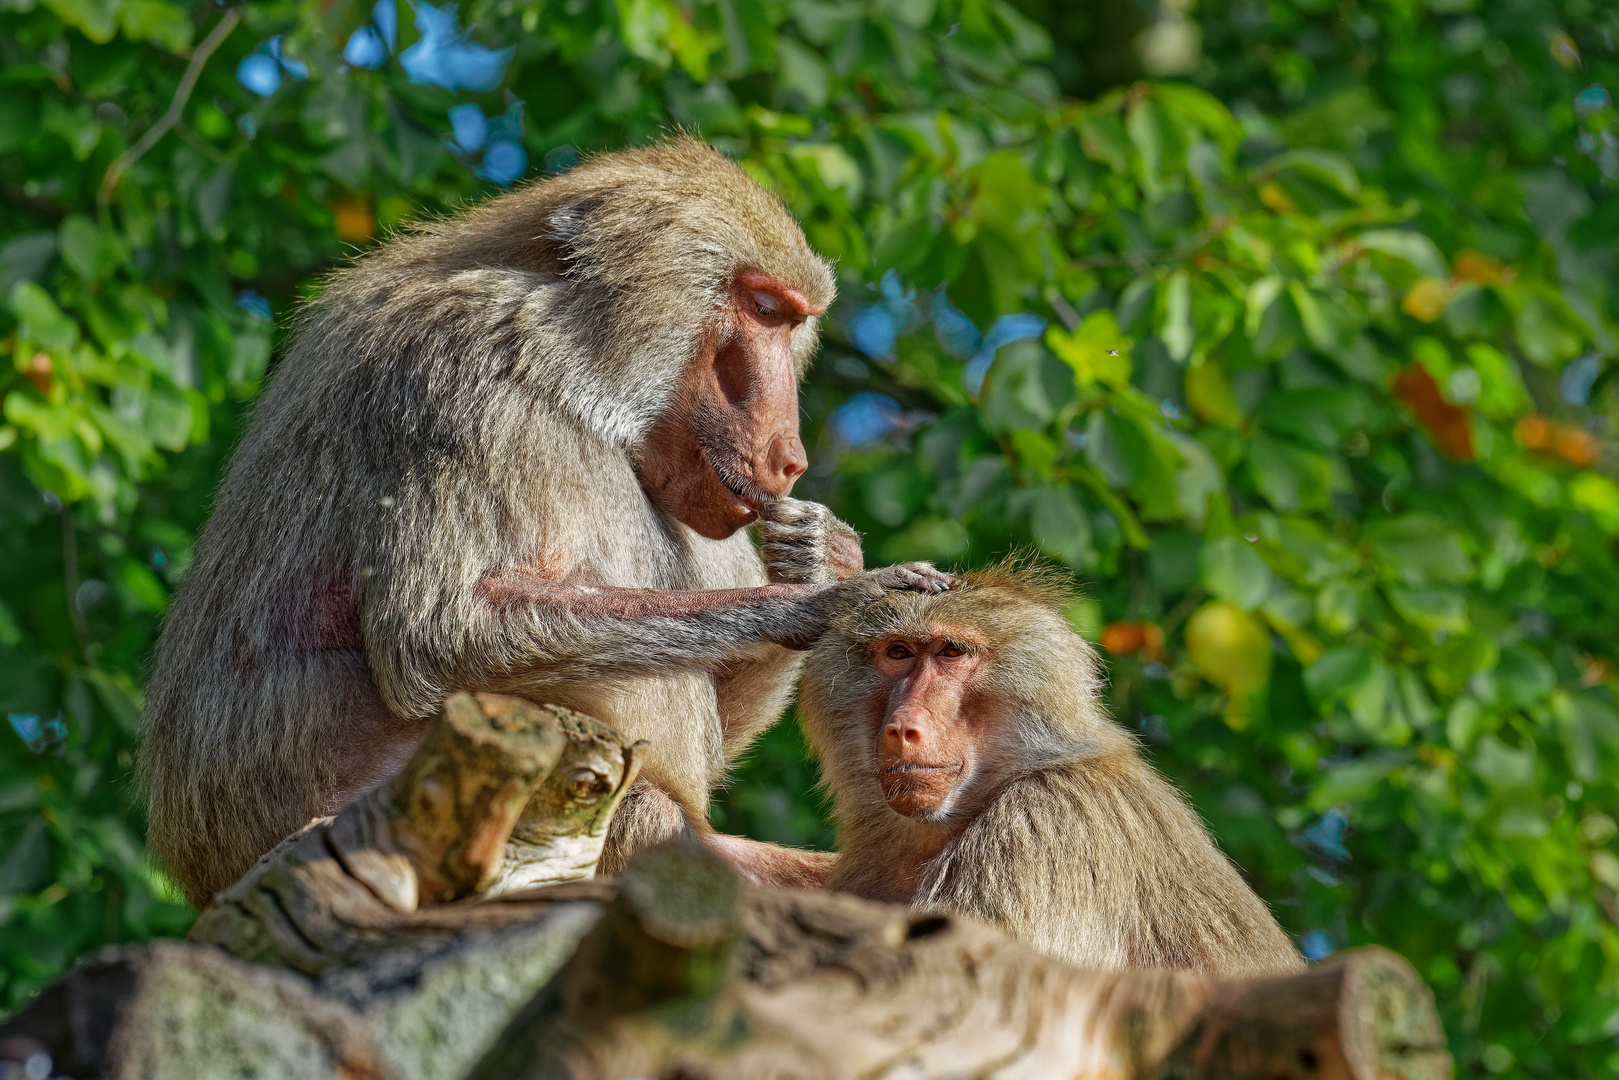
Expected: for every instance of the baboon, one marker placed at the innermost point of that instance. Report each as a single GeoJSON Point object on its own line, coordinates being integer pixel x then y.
{"type": "Point", "coordinates": [973, 769]}
{"type": "Point", "coordinates": [513, 450]}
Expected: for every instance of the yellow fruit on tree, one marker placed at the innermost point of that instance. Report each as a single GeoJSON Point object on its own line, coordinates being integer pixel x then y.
{"type": "Point", "coordinates": [1232, 650]}
{"type": "Point", "coordinates": [1426, 299]}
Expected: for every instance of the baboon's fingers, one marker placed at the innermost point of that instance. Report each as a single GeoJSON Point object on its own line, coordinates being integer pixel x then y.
{"type": "Point", "coordinates": [789, 511]}
{"type": "Point", "coordinates": [799, 532]}
{"type": "Point", "coordinates": [924, 577]}
{"type": "Point", "coordinates": [779, 555]}
{"type": "Point", "coordinates": [917, 576]}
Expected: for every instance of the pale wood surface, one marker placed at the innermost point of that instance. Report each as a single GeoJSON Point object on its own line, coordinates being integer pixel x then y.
{"type": "Point", "coordinates": [397, 941]}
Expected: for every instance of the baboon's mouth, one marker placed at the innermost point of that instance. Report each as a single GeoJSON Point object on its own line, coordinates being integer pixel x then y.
{"type": "Point", "coordinates": [748, 497]}
{"type": "Point", "coordinates": [917, 768]}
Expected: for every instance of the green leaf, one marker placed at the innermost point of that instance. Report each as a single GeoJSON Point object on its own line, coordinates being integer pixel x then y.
{"type": "Point", "coordinates": [79, 241]}
{"type": "Point", "coordinates": [1438, 611]}
{"type": "Point", "coordinates": [1363, 684]}
{"type": "Point", "coordinates": [1338, 607]}
{"type": "Point", "coordinates": [1198, 479]}
{"type": "Point", "coordinates": [1501, 393]}
{"type": "Point", "coordinates": [1202, 110]}
{"type": "Point", "coordinates": [1459, 659]}
{"type": "Point", "coordinates": [1096, 349]}
{"type": "Point", "coordinates": [169, 419]}
{"type": "Point", "coordinates": [1350, 783]}
{"type": "Point", "coordinates": [1134, 458]}
{"type": "Point", "coordinates": [1597, 496]}
{"type": "Point", "coordinates": [803, 74]}
{"type": "Point", "coordinates": [1590, 730]}
{"type": "Point", "coordinates": [1419, 548]}
{"type": "Point", "coordinates": [41, 319]}
{"type": "Point", "coordinates": [1261, 294]}
{"type": "Point", "coordinates": [1320, 417]}
{"type": "Point", "coordinates": [1541, 331]}
{"type": "Point", "coordinates": [164, 24]}
{"type": "Point", "coordinates": [1521, 820]}
{"type": "Point", "coordinates": [1523, 677]}
{"type": "Point", "coordinates": [76, 125]}
{"type": "Point", "coordinates": [1232, 570]}
{"type": "Point", "coordinates": [1503, 767]}
{"type": "Point", "coordinates": [1303, 550]}
{"type": "Point", "coordinates": [1105, 140]}
{"type": "Point", "coordinates": [10, 632]}
{"type": "Point", "coordinates": [1175, 328]}
{"type": "Point", "coordinates": [1409, 246]}
{"type": "Point", "coordinates": [1464, 723]}
{"type": "Point", "coordinates": [833, 167]}
{"type": "Point", "coordinates": [25, 859]}
{"type": "Point", "coordinates": [1324, 166]}
{"type": "Point", "coordinates": [1292, 478]}
{"type": "Point", "coordinates": [25, 257]}
{"type": "Point", "coordinates": [1060, 525]}
{"type": "Point", "coordinates": [1209, 394]}
{"type": "Point", "coordinates": [96, 19]}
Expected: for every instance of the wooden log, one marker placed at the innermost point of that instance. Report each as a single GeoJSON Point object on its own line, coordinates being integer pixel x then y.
{"type": "Point", "coordinates": [386, 870]}
{"type": "Point", "coordinates": [688, 975]}
{"type": "Point", "coordinates": [173, 1010]}
{"type": "Point", "coordinates": [432, 960]}
{"type": "Point", "coordinates": [1362, 1014]}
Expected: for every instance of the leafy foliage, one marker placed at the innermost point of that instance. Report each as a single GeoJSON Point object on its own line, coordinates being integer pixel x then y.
{"type": "Point", "coordinates": [1301, 362]}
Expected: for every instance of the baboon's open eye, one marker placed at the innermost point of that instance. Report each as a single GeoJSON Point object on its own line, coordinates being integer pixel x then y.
{"type": "Point", "coordinates": [766, 305]}
{"type": "Point", "coordinates": [952, 650]}
{"type": "Point", "coordinates": [897, 651]}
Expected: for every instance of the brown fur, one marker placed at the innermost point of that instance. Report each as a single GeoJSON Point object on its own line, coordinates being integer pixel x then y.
{"type": "Point", "coordinates": [442, 467]}
{"type": "Point", "coordinates": [1080, 848]}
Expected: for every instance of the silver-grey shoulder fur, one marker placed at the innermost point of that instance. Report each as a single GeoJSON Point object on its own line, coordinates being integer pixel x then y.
{"type": "Point", "coordinates": [1088, 854]}
{"type": "Point", "coordinates": [463, 401]}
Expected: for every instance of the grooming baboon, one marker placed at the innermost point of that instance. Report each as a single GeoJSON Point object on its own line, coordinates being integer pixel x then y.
{"type": "Point", "coordinates": [513, 451]}
{"type": "Point", "coordinates": [973, 769]}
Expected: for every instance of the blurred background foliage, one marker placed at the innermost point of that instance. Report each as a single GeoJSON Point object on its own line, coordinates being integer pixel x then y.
{"type": "Point", "coordinates": [1288, 325]}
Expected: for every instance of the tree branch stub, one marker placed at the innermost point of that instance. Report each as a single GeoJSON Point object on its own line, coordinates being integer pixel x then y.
{"type": "Point", "coordinates": [390, 867]}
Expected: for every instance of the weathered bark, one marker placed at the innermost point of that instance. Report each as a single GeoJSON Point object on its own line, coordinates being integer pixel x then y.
{"type": "Point", "coordinates": [687, 976]}
{"type": "Point", "coordinates": [502, 793]}
{"type": "Point", "coordinates": [414, 956]}
{"type": "Point", "coordinates": [173, 1010]}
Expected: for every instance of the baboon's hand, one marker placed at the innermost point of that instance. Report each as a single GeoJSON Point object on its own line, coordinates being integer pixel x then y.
{"type": "Point", "coordinates": [816, 611]}
{"type": "Point", "coordinates": [806, 544]}
{"type": "Point", "coordinates": [915, 576]}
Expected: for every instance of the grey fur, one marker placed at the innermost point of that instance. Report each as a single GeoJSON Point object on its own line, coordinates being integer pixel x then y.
{"type": "Point", "coordinates": [464, 401]}
{"type": "Point", "coordinates": [1086, 852]}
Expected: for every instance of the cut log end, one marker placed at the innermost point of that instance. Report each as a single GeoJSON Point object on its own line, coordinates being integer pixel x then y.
{"type": "Point", "coordinates": [1362, 1015]}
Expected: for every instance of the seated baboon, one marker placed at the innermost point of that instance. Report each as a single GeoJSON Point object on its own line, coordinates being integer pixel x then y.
{"type": "Point", "coordinates": [973, 769]}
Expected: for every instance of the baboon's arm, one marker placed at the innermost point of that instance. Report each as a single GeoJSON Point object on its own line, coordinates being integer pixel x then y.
{"type": "Point", "coordinates": [590, 629]}
{"type": "Point", "coordinates": [523, 624]}
{"type": "Point", "coordinates": [652, 627]}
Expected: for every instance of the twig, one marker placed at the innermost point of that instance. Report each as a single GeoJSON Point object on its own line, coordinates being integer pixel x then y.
{"type": "Point", "coordinates": [182, 94]}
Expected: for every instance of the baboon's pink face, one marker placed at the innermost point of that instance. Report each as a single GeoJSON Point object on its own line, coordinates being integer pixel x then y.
{"type": "Point", "coordinates": [935, 726]}
{"type": "Point", "coordinates": [730, 441]}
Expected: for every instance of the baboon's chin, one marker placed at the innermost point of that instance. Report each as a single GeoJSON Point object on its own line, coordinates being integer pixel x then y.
{"type": "Point", "coordinates": [922, 798]}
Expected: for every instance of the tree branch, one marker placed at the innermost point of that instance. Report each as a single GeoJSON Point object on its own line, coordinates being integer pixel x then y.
{"type": "Point", "coordinates": [182, 94]}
